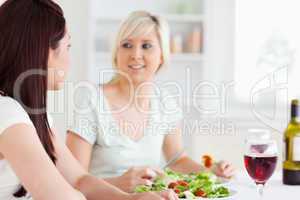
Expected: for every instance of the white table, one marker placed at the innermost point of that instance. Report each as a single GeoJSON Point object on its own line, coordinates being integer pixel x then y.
{"type": "Point", "coordinates": [274, 189]}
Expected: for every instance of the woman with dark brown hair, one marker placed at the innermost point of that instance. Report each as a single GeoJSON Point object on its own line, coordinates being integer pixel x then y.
{"type": "Point", "coordinates": [34, 58]}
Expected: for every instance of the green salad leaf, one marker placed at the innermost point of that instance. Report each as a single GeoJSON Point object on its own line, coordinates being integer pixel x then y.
{"type": "Point", "coordinates": [189, 186]}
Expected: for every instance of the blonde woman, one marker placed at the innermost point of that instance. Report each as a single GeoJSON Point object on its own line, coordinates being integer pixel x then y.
{"type": "Point", "coordinates": [130, 122]}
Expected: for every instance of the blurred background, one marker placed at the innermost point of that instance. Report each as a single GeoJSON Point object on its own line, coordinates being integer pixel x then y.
{"type": "Point", "coordinates": [236, 62]}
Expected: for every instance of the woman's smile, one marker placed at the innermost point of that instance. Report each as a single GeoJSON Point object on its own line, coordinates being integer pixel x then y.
{"type": "Point", "coordinates": [136, 66]}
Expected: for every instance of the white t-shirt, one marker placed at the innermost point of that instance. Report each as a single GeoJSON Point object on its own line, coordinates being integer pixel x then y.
{"type": "Point", "coordinates": [11, 112]}
{"type": "Point", "coordinates": [113, 152]}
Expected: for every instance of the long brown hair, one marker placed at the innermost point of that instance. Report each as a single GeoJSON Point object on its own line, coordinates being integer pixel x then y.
{"type": "Point", "coordinates": [28, 29]}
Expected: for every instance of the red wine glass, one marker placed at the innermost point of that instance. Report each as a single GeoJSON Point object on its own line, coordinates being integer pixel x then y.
{"type": "Point", "coordinates": [260, 161]}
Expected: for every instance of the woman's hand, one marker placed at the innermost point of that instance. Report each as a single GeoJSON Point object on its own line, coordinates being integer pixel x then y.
{"type": "Point", "coordinates": [137, 176]}
{"type": "Point", "coordinates": [169, 195]}
{"type": "Point", "coordinates": [165, 195]}
{"type": "Point", "coordinates": [224, 169]}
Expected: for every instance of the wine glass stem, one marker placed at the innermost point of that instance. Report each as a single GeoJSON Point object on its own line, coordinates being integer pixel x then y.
{"type": "Point", "coordinates": [260, 189]}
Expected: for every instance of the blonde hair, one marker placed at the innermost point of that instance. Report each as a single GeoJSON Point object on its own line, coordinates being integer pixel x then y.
{"type": "Point", "coordinates": [141, 23]}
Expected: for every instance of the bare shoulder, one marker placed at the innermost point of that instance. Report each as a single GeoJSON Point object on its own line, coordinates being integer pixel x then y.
{"type": "Point", "coordinates": [18, 131]}
{"type": "Point", "coordinates": [17, 135]}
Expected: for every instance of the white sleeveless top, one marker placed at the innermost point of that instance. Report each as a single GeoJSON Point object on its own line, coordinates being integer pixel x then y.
{"type": "Point", "coordinates": [11, 113]}
{"type": "Point", "coordinates": [113, 152]}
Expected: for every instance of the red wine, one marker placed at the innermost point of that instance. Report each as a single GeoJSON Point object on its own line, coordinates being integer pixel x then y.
{"type": "Point", "coordinates": [260, 168]}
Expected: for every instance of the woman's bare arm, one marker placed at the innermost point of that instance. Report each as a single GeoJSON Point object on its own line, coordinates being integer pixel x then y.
{"type": "Point", "coordinates": [76, 175]}
{"type": "Point", "coordinates": [172, 145]}
{"type": "Point", "coordinates": [80, 148]}
{"type": "Point", "coordinates": [22, 148]}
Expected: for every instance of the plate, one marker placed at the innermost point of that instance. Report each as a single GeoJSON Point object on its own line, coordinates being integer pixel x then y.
{"type": "Point", "coordinates": [231, 197]}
